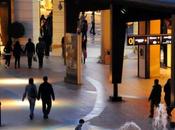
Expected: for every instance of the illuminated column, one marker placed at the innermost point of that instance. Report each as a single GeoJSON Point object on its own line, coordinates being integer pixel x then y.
{"type": "Point", "coordinates": [27, 13]}
{"type": "Point", "coordinates": [149, 65]}
{"type": "Point", "coordinates": [154, 50]}
{"type": "Point", "coordinates": [106, 37]}
{"type": "Point", "coordinates": [36, 21]}
{"type": "Point", "coordinates": [135, 28]}
{"type": "Point", "coordinates": [168, 55]}
{"type": "Point", "coordinates": [143, 53]}
{"type": "Point", "coordinates": [58, 27]}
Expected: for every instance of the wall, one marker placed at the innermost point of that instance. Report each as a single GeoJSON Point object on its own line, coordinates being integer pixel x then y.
{"type": "Point", "coordinates": [4, 22]}
{"type": "Point", "coordinates": [58, 27]}
{"type": "Point", "coordinates": [155, 50]}
{"type": "Point", "coordinates": [106, 36]}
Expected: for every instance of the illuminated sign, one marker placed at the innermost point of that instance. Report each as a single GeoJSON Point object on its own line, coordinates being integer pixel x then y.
{"type": "Point", "coordinates": [149, 39]}
{"type": "Point", "coordinates": [166, 39]}
{"type": "Point", "coordinates": [154, 40]}
{"type": "Point", "coordinates": [136, 40]}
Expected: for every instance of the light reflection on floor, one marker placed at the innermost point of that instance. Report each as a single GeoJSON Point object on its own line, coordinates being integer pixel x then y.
{"type": "Point", "coordinates": [17, 81]}
{"type": "Point", "coordinates": [8, 104]}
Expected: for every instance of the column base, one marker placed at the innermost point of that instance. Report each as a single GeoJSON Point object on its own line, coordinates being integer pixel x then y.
{"type": "Point", "coordinates": [115, 99]}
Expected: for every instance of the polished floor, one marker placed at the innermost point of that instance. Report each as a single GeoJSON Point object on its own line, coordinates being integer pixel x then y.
{"type": "Point", "coordinates": [89, 101]}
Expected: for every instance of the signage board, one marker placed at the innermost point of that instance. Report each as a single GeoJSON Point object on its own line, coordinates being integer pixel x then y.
{"type": "Point", "coordinates": [154, 40]}
{"type": "Point", "coordinates": [136, 40]}
{"type": "Point", "coordinates": [149, 39]}
{"type": "Point", "coordinates": [166, 39]}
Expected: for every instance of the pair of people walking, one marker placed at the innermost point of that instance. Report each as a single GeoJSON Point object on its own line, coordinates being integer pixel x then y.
{"type": "Point", "coordinates": [30, 50]}
{"type": "Point", "coordinates": [155, 97]}
{"type": "Point", "coordinates": [46, 94]}
{"type": "Point", "coordinates": [17, 50]}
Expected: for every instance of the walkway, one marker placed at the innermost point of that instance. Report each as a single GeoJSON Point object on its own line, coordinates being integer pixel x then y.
{"type": "Point", "coordinates": [88, 101]}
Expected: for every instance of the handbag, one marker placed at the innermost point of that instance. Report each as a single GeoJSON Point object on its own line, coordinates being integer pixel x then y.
{"type": "Point", "coordinates": [34, 58]}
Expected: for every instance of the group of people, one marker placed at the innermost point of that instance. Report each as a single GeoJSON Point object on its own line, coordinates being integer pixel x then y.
{"type": "Point", "coordinates": [155, 97]}
{"type": "Point", "coordinates": [46, 27]}
{"type": "Point", "coordinates": [45, 92]}
{"type": "Point", "coordinates": [29, 50]}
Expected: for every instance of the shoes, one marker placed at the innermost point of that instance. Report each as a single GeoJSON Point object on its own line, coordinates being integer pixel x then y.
{"type": "Point", "coordinates": [31, 117]}
{"type": "Point", "coordinates": [45, 117]}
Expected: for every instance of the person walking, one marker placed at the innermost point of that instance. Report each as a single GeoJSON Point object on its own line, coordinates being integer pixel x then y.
{"type": "Point", "coordinates": [40, 47]}
{"type": "Point", "coordinates": [31, 93]}
{"type": "Point", "coordinates": [17, 53]}
{"type": "Point", "coordinates": [84, 46]}
{"type": "Point", "coordinates": [155, 97]}
{"type": "Point", "coordinates": [7, 51]}
{"type": "Point", "coordinates": [167, 97]}
{"type": "Point", "coordinates": [63, 46]}
{"type": "Point", "coordinates": [46, 93]}
{"type": "Point", "coordinates": [92, 30]}
{"type": "Point", "coordinates": [84, 28]}
{"type": "Point", "coordinates": [30, 50]}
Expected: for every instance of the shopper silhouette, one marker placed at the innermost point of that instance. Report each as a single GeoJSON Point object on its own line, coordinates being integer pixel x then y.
{"type": "Point", "coordinates": [40, 47]}
{"type": "Point", "coordinates": [7, 51]}
{"type": "Point", "coordinates": [84, 49]}
{"type": "Point", "coordinates": [17, 53]}
{"type": "Point", "coordinates": [31, 92]}
{"type": "Point", "coordinates": [30, 49]}
{"type": "Point", "coordinates": [167, 97]}
{"type": "Point", "coordinates": [155, 97]}
{"type": "Point", "coordinates": [46, 93]}
{"type": "Point", "coordinates": [92, 30]}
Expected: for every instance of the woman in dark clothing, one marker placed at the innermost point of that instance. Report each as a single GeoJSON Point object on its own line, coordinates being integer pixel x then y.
{"type": "Point", "coordinates": [155, 97]}
{"type": "Point", "coordinates": [167, 98]}
{"type": "Point", "coordinates": [84, 46]}
{"type": "Point", "coordinates": [17, 53]}
{"type": "Point", "coordinates": [8, 50]}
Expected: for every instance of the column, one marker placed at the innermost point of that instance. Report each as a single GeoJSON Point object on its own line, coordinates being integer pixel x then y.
{"type": "Point", "coordinates": [58, 27]}
{"type": "Point", "coordinates": [118, 27]}
{"type": "Point", "coordinates": [154, 50]}
{"type": "Point", "coordinates": [27, 13]}
{"type": "Point", "coordinates": [106, 37]}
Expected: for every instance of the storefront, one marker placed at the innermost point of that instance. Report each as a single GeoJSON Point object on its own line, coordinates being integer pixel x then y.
{"type": "Point", "coordinates": [5, 18]}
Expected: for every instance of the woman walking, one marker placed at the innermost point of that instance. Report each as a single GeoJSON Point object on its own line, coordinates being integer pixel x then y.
{"type": "Point", "coordinates": [17, 53]}
{"type": "Point", "coordinates": [7, 51]}
{"type": "Point", "coordinates": [31, 92]}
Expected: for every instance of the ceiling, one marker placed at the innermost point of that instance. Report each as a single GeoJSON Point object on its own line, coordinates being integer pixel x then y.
{"type": "Point", "coordinates": [135, 9]}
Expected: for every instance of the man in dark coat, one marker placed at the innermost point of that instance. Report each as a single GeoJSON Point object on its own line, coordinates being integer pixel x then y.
{"type": "Point", "coordinates": [155, 97]}
{"type": "Point", "coordinates": [40, 47]}
{"type": "Point", "coordinates": [46, 93]}
{"type": "Point", "coordinates": [167, 98]}
{"type": "Point", "coordinates": [17, 50]}
{"type": "Point", "coordinates": [30, 49]}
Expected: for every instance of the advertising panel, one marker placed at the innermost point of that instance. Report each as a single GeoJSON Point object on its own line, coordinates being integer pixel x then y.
{"type": "Point", "coordinates": [73, 60]}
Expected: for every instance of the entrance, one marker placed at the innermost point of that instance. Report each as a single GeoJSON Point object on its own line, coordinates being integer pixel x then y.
{"type": "Point", "coordinates": [93, 47]}
{"type": "Point", "coordinates": [4, 20]}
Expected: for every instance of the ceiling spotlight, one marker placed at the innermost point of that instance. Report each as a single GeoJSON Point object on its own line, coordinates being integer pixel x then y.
{"type": "Point", "coordinates": [123, 11]}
